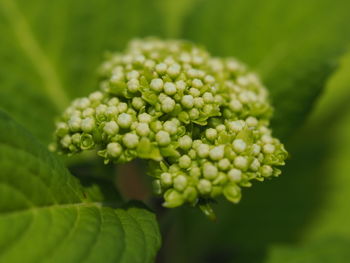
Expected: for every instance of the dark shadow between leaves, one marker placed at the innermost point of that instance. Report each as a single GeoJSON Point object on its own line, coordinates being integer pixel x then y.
{"type": "Point", "coordinates": [98, 181]}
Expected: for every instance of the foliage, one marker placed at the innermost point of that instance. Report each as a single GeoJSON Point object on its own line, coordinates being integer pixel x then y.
{"type": "Point", "coordinates": [49, 53]}
{"type": "Point", "coordinates": [45, 206]}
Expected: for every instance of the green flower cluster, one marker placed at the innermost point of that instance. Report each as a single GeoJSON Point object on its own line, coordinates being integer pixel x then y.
{"type": "Point", "coordinates": [202, 121]}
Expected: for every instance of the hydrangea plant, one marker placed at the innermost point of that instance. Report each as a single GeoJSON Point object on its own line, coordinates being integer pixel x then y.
{"type": "Point", "coordinates": [201, 121]}
{"type": "Point", "coordinates": [205, 126]}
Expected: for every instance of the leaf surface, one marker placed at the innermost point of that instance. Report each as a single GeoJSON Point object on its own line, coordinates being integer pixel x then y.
{"type": "Point", "coordinates": [46, 215]}
{"type": "Point", "coordinates": [50, 51]}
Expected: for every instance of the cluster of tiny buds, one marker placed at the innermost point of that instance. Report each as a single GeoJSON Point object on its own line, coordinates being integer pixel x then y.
{"type": "Point", "coordinates": [224, 158]}
{"type": "Point", "coordinates": [202, 120]}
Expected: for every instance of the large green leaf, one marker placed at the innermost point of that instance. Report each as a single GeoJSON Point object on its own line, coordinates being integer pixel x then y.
{"type": "Point", "coordinates": [46, 215]}
{"type": "Point", "coordinates": [50, 50]}
{"type": "Point", "coordinates": [333, 110]}
{"type": "Point", "coordinates": [329, 250]}
{"type": "Point", "coordinates": [327, 239]}
{"type": "Point", "coordinates": [294, 45]}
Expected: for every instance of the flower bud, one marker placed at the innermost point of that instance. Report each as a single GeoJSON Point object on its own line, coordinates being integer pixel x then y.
{"type": "Point", "coordinates": [185, 142]}
{"type": "Point", "coordinates": [130, 140]}
{"type": "Point", "coordinates": [124, 120]}
{"type": "Point", "coordinates": [169, 88]}
{"type": "Point", "coordinates": [180, 182]}
{"type": "Point", "coordinates": [217, 153]}
{"type": "Point", "coordinates": [185, 161]}
{"type": "Point", "coordinates": [114, 149]}
{"type": "Point", "coordinates": [111, 128]}
{"type": "Point", "coordinates": [187, 101]}
{"type": "Point", "coordinates": [163, 138]}
{"type": "Point", "coordinates": [239, 145]}
{"type": "Point", "coordinates": [232, 193]}
{"type": "Point", "coordinates": [209, 171]}
{"type": "Point", "coordinates": [211, 134]}
{"type": "Point", "coordinates": [235, 175]}
{"type": "Point", "coordinates": [157, 85]}
{"type": "Point", "coordinates": [168, 105]}
{"type": "Point", "coordinates": [143, 129]}
{"type": "Point", "coordinates": [166, 179]}
{"type": "Point", "coordinates": [204, 186]}
{"type": "Point", "coordinates": [173, 199]}
{"type": "Point", "coordinates": [241, 162]}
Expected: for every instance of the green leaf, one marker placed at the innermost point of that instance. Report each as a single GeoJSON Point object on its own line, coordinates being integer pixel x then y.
{"type": "Point", "coordinates": [46, 215]}
{"type": "Point", "coordinates": [50, 51]}
{"type": "Point", "coordinates": [294, 45]}
{"type": "Point", "coordinates": [173, 14]}
{"type": "Point", "coordinates": [335, 215]}
{"type": "Point", "coordinates": [327, 238]}
{"type": "Point", "coordinates": [328, 250]}
{"type": "Point", "coordinates": [334, 101]}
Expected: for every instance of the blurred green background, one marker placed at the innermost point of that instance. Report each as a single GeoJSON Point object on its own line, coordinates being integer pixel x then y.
{"type": "Point", "coordinates": [49, 52]}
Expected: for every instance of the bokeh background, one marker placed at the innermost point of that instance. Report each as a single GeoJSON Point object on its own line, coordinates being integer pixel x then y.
{"type": "Point", "coordinates": [49, 52]}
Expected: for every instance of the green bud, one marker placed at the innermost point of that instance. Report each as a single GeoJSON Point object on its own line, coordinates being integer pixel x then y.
{"type": "Point", "coordinates": [187, 101]}
{"type": "Point", "coordinates": [232, 193]}
{"type": "Point", "coordinates": [266, 170]}
{"type": "Point", "coordinates": [239, 145]}
{"type": "Point", "coordinates": [88, 124]}
{"type": "Point", "coordinates": [180, 182]}
{"type": "Point", "coordinates": [74, 123]}
{"type": "Point", "coordinates": [114, 149]}
{"type": "Point", "coordinates": [163, 138]}
{"type": "Point", "coordinates": [204, 186]}
{"type": "Point", "coordinates": [166, 179]}
{"type": "Point", "coordinates": [211, 134]}
{"type": "Point", "coordinates": [173, 198]}
{"type": "Point", "coordinates": [62, 129]}
{"type": "Point", "coordinates": [185, 161]}
{"type": "Point", "coordinates": [217, 153]}
{"type": "Point", "coordinates": [224, 164]}
{"type": "Point", "coordinates": [185, 142]}
{"type": "Point", "coordinates": [87, 142]}
{"type": "Point", "coordinates": [170, 127]}
{"type": "Point", "coordinates": [157, 84]}
{"type": "Point", "coordinates": [156, 126]}
{"type": "Point", "coordinates": [195, 172]}
{"type": "Point", "coordinates": [130, 140]}
{"type": "Point", "coordinates": [209, 171]}
{"type": "Point", "coordinates": [168, 105]}
{"type": "Point", "coordinates": [124, 120]}
{"type": "Point", "coordinates": [111, 128]}
{"type": "Point", "coordinates": [143, 129]}
{"type": "Point", "coordinates": [241, 162]}
{"type": "Point", "coordinates": [157, 188]}
{"type": "Point", "coordinates": [190, 194]}
{"type": "Point", "coordinates": [170, 88]}
{"type": "Point", "coordinates": [235, 175]}
{"type": "Point", "coordinates": [138, 103]}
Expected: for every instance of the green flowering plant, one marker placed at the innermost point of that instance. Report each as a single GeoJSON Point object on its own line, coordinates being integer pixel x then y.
{"type": "Point", "coordinates": [206, 104]}
{"type": "Point", "coordinates": [203, 121]}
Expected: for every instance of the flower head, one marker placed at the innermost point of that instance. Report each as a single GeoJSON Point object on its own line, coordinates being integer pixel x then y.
{"type": "Point", "coordinates": [204, 121]}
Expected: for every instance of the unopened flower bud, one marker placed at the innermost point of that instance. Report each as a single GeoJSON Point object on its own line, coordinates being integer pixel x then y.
{"type": "Point", "coordinates": [114, 149]}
